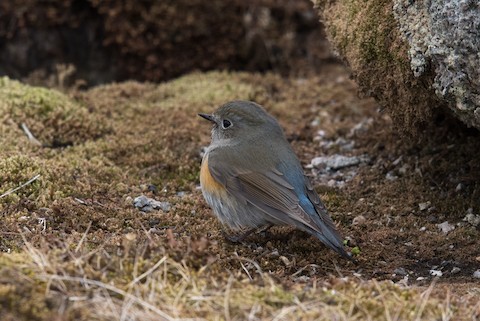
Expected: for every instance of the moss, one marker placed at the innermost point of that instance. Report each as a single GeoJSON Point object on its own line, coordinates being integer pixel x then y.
{"type": "Point", "coordinates": [53, 118]}
{"type": "Point", "coordinates": [17, 170]}
{"type": "Point", "coordinates": [366, 35]}
{"type": "Point", "coordinates": [205, 90]}
{"type": "Point", "coordinates": [23, 299]}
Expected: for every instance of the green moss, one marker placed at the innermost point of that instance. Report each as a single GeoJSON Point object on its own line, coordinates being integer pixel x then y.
{"type": "Point", "coordinates": [21, 298]}
{"type": "Point", "coordinates": [207, 90]}
{"type": "Point", "coordinates": [53, 118]}
{"type": "Point", "coordinates": [17, 170]}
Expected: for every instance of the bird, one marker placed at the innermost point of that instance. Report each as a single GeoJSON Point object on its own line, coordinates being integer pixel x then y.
{"type": "Point", "coordinates": [251, 177]}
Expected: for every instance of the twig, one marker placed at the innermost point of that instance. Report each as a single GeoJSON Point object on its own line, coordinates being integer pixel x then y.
{"type": "Point", "coordinates": [30, 136]}
{"type": "Point", "coordinates": [226, 301]}
{"type": "Point", "coordinates": [19, 187]}
{"type": "Point", "coordinates": [148, 272]}
{"type": "Point", "coordinates": [425, 295]}
{"type": "Point", "coordinates": [83, 237]}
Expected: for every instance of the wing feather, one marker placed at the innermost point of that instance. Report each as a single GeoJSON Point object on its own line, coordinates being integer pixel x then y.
{"type": "Point", "coordinates": [269, 192]}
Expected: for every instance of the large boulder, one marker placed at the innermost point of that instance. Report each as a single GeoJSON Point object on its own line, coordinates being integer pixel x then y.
{"type": "Point", "coordinates": [413, 56]}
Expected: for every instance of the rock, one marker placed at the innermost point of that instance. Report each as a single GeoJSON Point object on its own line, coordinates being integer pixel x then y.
{"type": "Point", "coordinates": [336, 170]}
{"type": "Point", "coordinates": [390, 176]}
{"type": "Point", "coordinates": [412, 56]}
{"type": "Point", "coordinates": [335, 162]}
{"type": "Point", "coordinates": [146, 204]}
{"type": "Point", "coordinates": [446, 227]}
{"type": "Point", "coordinates": [445, 34]}
{"type": "Point", "coordinates": [400, 271]}
{"type": "Point", "coordinates": [455, 270]}
{"type": "Point", "coordinates": [424, 206]}
{"type": "Point", "coordinates": [476, 274]}
{"type": "Point", "coordinates": [359, 220]}
{"type": "Point", "coordinates": [473, 219]}
{"type": "Point", "coordinates": [436, 273]}
{"type": "Point", "coordinates": [285, 261]}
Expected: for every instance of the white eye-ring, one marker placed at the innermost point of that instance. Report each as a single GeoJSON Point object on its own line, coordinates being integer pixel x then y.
{"type": "Point", "coordinates": [226, 123]}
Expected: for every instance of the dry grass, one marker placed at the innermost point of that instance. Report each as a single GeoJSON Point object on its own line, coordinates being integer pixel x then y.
{"type": "Point", "coordinates": [98, 285]}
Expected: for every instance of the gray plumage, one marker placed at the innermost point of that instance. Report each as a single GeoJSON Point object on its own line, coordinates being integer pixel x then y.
{"type": "Point", "coordinates": [262, 178]}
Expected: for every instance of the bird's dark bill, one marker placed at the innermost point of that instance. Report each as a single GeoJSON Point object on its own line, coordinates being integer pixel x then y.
{"type": "Point", "coordinates": [207, 117]}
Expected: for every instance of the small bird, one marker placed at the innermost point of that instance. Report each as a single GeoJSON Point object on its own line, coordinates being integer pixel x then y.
{"type": "Point", "coordinates": [251, 177]}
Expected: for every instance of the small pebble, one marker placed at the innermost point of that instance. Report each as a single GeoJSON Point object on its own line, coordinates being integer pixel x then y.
{"type": "Point", "coordinates": [446, 227]}
{"type": "Point", "coordinates": [146, 204]}
{"type": "Point", "coordinates": [275, 253]}
{"type": "Point", "coordinates": [423, 229]}
{"type": "Point", "coordinates": [400, 271]}
{"type": "Point", "coordinates": [391, 177]}
{"type": "Point", "coordinates": [459, 187]}
{"type": "Point", "coordinates": [359, 220]}
{"type": "Point", "coordinates": [335, 162]}
{"type": "Point", "coordinates": [455, 270]}
{"type": "Point", "coordinates": [424, 206]}
{"type": "Point", "coordinates": [285, 261]}
{"type": "Point", "coordinates": [472, 219]}
{"type": "Point", "coordinates": [476, 274]}
{"type": "Point", "coordinates": [436, 273]}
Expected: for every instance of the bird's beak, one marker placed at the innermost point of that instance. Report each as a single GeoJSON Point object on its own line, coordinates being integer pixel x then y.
{"type": "Point", "coordinates": [208, 117]}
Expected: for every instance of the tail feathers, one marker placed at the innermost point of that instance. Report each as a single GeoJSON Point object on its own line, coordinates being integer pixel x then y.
{"type": "Point", "coordinates": [332, 240]}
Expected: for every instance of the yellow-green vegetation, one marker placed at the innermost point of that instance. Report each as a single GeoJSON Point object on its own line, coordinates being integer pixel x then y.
{"type": "Point", "coordinates": [93, 285]}
{"type": "Point", "coordinates": [75, 248]}
{"type": "Point", "coordinates": [55, 119]}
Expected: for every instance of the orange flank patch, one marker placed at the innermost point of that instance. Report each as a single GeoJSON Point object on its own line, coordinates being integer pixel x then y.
{"type": "Point", "coordinates": [209, 184]}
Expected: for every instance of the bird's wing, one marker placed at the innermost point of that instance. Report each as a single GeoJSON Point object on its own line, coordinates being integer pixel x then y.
{"type": "Point", "coordinates": [271, 193]}
{"type": "Point", "coordinates": [268, 191]}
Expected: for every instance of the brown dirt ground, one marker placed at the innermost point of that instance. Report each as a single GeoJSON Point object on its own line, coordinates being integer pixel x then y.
{"type": "Point", "coordinates": [150, 141]}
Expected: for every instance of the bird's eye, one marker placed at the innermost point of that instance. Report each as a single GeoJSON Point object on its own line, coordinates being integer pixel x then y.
{"type": "Point", "coordinates": [226, 123]}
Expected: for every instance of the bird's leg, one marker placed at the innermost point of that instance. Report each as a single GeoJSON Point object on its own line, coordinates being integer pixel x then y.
{"type": "Point", "coordinates": [240, 237]}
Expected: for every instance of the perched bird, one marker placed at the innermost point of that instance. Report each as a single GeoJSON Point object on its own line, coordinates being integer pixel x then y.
{"type": "Point", "coordinates": [251, 177]}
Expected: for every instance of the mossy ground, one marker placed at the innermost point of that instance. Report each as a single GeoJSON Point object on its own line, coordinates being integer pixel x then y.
{"type": "Point", "coordinates": [75, 248]}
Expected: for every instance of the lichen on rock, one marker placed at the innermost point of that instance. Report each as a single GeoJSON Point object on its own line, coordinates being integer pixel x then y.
{"type": "Point", "coordinates": [412, 56]}
{"type": "Point", "coordinates": [446, 34]}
